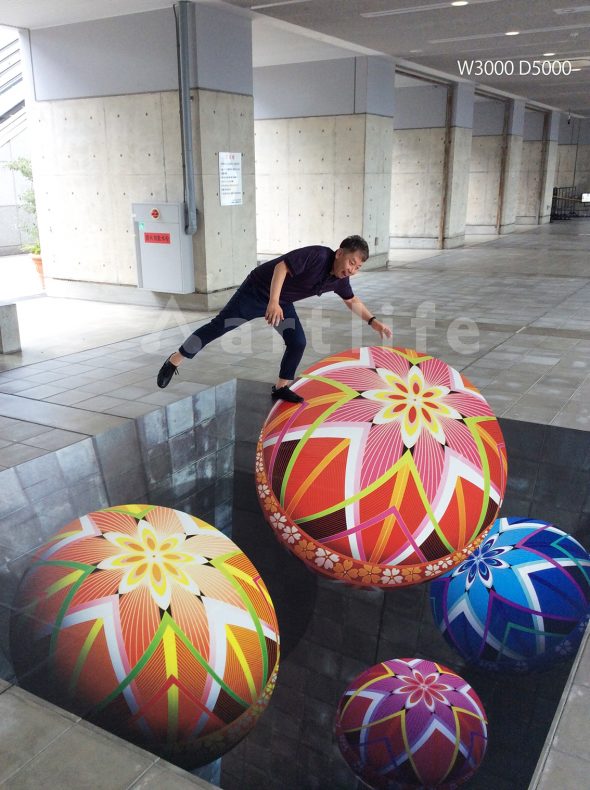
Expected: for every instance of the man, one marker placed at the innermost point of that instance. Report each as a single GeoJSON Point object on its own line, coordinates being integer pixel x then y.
{"type": "Point", "coordinates": [270, 290]}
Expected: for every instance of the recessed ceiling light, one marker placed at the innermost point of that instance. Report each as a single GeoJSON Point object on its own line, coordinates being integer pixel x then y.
{"type": "Point", "coordinates": [419, 9]}
{"type": "Point", "coordinates": [277, 2]}
{"type": "Point", "coordinates": [548, 54]}
{"type": "Point", "coordinates": [577, 9]}
{"type": "Point", "coordinates": [513, 33]}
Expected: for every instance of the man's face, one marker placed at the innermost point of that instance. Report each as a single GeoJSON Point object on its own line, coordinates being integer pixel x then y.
{"type": "Point", "coordinates": [347, 263]}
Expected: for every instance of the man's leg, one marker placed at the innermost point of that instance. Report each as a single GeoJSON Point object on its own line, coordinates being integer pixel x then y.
{"type": "Point", "coordinates": [292, 333]}
{"type": "Point", "coordinates": [244, 305]}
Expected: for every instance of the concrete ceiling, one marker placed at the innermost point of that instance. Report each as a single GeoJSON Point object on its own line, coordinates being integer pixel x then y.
{"type": "Point", "coordinates": [435, 34]}
{"type": "Point", "coordinates": [430, 33]}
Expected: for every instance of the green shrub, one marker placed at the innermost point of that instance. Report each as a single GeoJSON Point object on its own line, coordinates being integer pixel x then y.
{"type": "Point", "coordinates": [23, 166]}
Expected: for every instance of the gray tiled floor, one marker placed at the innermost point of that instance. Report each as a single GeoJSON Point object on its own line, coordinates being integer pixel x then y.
{"type": "Point", "coordinates": [86, 366]}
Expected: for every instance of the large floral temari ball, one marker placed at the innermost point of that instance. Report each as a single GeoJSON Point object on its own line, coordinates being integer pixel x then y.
{"type": "Point", "coordinates": [520, 601]}
{"type": "Point", "coordinates": [411, 723]}
{"type": "Point", "coordinates": [152, 624]}
{"type": "Point", "coordinates": [388, 473]}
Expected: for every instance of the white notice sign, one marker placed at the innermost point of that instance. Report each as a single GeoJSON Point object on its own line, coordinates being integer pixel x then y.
{"type": "Point", "coordinates": [230, 178]}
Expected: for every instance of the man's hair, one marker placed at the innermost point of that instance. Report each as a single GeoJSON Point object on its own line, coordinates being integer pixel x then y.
{"type": "Point", "coordinates": [354, 243]}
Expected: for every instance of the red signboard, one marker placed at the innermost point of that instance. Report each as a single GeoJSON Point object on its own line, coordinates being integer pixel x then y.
{"type": "Point", "coordinates": [156, 238]}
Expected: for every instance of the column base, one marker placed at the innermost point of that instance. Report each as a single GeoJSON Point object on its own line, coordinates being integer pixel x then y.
{"type": "Point", "coordinates": [129, 294]}
{"type": "Point", "coordinates": [480, 230]}
{"type": "Point", "coordinates": [452, 242]}
{"type": "Point", "coordinates": [413, 243]}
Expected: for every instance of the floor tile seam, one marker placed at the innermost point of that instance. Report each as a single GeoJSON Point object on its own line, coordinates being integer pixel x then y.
{"type": "Point", "coordinates": [112, 344]}
{"type": "Point", "coordinates": [467, 267]}
{"type": "Point", "coordinates": [72, 407]}
{"type": "Point", "coordinates": [41, 751]}
{"type": "Point", "coordinates": [157, 762]}
{"type": "Point", "coordinates": [561, 411]}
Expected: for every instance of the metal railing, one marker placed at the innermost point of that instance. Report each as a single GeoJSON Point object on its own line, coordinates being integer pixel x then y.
{"type": "Point", "coordinates": [567, 203]}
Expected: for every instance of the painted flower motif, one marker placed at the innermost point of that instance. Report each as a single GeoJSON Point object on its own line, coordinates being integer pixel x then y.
{"type": "Point", "coordinates": [411, 575]}
{"type": "Point", "coordinates": [370, 574]}
{"type": "Point", "coordinates": [325, 558]}
{"type": "Point", "coordinates": [259, 463]}
{"type": "Point", "coordinates": [150, 560]}
{"type": "Point", "coordinates": [426, 689]}
{"type": "Point", "coordinates": [260, 477]}
{"type": "Point", "coordinates": [269, 503]}
{"type": "Point", "coordinates": [305, 549]}
{"type": "Point", "coordinates": [263, 490]}
{"type": "Point", "coordinates": [345, 570]}
{"type": "Point", "coordinates": [415, 404]}
{"type": "Point", "coordinates": [391, 576]}
{"type": "Point", "coordinates": [481, 561]}
{"type": "Point", "coordinates": [291, 534]}
{"type": "Point", "coordinates": [433, 569]}
{"type": "Point", "coordinates": [278, 521]}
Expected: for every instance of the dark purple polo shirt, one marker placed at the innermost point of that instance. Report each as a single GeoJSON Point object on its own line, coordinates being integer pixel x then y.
{"type": "Point", "coordinates": [309, 269]}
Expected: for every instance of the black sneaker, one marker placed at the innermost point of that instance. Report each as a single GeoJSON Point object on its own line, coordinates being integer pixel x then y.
{"type": "Point", "coordinates": [284, 393]}
{"type": "Point", "coordinates": [165, 373]}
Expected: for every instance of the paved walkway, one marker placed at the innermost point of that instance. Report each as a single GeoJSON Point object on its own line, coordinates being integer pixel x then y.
{"type": "Point", "coordinates": [512, 313]}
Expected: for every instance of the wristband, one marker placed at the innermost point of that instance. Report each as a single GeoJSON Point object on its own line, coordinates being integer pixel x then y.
{"type": "Point", "coordinates": [371, 319]}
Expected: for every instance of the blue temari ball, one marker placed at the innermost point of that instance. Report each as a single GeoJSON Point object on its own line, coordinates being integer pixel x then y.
{"type": "Point", "coordinates": [520, 601]}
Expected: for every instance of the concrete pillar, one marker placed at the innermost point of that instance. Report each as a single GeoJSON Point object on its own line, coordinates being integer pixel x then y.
{"type": "Point", "coordinates": [418, 164]}
{"type": "Point", "coordinates": [323, 156]}
{"type": "Point", "coordinates": [511, 165]}
{"type": "Point", "coordinates": [430, 178]}
{"type": "Point", "coordinates": [531, 181]}
{"type": "Point", "coordinates": [548, 165]}
{"type": "Point", "coordinates": [106, 134]}
{"type": "Point", "coordinates": [459, 138]}
{"type": "Point", "coordinates": [9, 333]}
{"type": "Point", "coordinates": [486, 165]}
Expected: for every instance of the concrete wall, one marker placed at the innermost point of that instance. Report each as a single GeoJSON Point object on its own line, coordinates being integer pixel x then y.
{"type": "Point", "coordinates": [531, 170]}
{"type": "Point", "coordinates": [107, 128]}
{"type": "Point", "coordinates": [323, 157]}
{"type": "Point", "coordinates": [573, 157]}
{"type": "Point", "coordinates": [420, 107]}
{"type": "Point", "coordinates": [458, 181]}
{"type": "Point", "coordinates": [486, 163]}
{"type": "Point", "coordinates": [320, 179]}
{"type": "Point", "coordinates": [103, 154]}
{"type": "Point", "coordinates": [136, 53]}
{"type": "Point", "coordinates": [529, 197]}
{"type": "Point", "coordinates": [417, 187]}
{"type": "Point", "coordinates": [418, 166]}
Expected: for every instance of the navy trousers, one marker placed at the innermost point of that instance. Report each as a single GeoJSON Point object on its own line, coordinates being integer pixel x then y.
{"type": "Point", "coordinates": [246, 304]}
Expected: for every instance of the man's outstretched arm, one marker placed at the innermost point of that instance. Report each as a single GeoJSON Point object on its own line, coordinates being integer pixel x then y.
{"type": "Point", "coordinates": [359, 308]}
{"type": "Point", "coordinates": [274, 312]}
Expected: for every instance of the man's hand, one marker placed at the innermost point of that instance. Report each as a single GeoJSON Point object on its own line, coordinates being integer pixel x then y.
{"type": "Point", "coordinates": [381, 329]}
{"type": "Point", "coordinates": [274, 314]}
